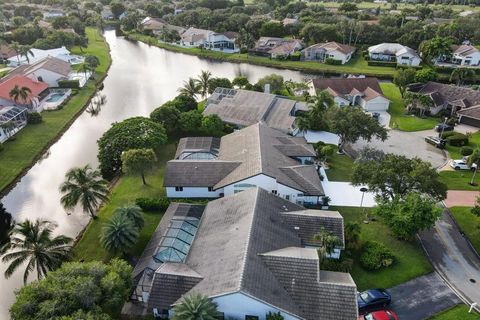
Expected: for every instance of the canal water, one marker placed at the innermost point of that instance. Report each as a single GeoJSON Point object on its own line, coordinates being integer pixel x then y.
{"type": "Point", "coordinates": [140, 79]}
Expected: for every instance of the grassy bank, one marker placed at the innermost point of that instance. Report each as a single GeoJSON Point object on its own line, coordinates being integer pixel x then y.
{"type": "Point", "coordinates": [399, 119]}
{"type": "Point", "coordinates": [357, 65]}
{"type": "Point", "coordinates": [456, 313]}
{"type": "Point", "coordinates": [468, 223]}
{"type": "Point", "coordinates": [18, 155]}
{"type": "Point", "coordinates": [410, 260]}
{"type": "Point", "coordinates": [127, 189]}
{"type": "Point", "coordinates": [340, 167]}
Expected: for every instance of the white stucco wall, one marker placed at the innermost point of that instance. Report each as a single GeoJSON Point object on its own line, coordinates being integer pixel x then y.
{"type": "Point", "coordinates": [474, 59]}
{"type": "Point", "coordinates": [340, 101]}
{"type": "Point", "coordinates": [261, 180]}
{"type": "Point", "coordinates": [412, 60]}
{"type": "Point", "coordinates": [337, 55]}
{"type": "Point", "coordinates": [376, 104]}
{"type": "Point", "coordinates": [238, 305]}
{"type": "Point", "coordinates": [193, 192]}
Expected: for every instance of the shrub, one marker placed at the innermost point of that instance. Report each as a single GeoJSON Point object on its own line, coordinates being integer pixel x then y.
{"type": "Point", "coordinates": [69, 84]}
{"type": "Point", "coordinates": [447, 134]}
{"type": "Point", "coordinates": [339, 265]}
{"type": "Point", "coordinates": [457, 140]}
{"type": "Point", "coordinates": [466, 150]}
{"type": "Point", "coordinates": [34, 118]}
{"type": "Point", "coordinates": [152, 204]}
{"type": "Point", "coordinates": [382, 63]}
{"type": "Point", "coordinates": [333, 61]}
{"type": "Point", "coordinates": [376, 256]}
{"type": "Point", "coordinates": [295, 56]}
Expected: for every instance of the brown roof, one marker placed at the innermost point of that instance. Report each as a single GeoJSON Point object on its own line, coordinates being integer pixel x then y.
{"type": "Point", "coordinates": [442, 94]}
{"type": "Point", "coordinates": [287, 47]}
{"type": "Point", "coordinates": [332, 46]}
{"type": "Point", "coordinates": [464, 50]}
{"type": "Point", "coordinates": [6, 52]}
{"type": "Point", "coordinates": [370, 87]}
{"type": "Point", "coordinates": [52, 64]}
{"type": "Point", "coordinates": [472, 112]}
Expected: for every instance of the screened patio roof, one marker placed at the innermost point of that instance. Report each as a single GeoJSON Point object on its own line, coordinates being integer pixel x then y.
{"type": "Point", "coordinates": [10, 113]}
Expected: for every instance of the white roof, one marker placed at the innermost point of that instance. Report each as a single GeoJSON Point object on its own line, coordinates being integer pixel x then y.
{"type": "Point", "coordinates": [392, 48]}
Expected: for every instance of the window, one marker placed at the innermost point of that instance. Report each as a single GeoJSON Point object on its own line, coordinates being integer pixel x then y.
{"type": "Point", "coordinates": [179, 189]}
{"type": "Point", "coordinates": [248, 317]}
{"type": "Point", "coordinates": [210, 189]}
{"type": "Point", "coordinates": [287, 197]}
{"type": "Point", "coordinates": [274, 191]}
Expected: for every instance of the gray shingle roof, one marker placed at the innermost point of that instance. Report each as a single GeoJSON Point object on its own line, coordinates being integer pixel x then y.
{"type": "Point", "coordinates": [472, 112]}
{"type": "Point", "coordinates": [52, 64]}
{"type": "Point", "coordinates": [244, 108]}
{"type": "Point", "coordinates": [197, 173]}
{"type": "Point", "coordinates": [446, 93]}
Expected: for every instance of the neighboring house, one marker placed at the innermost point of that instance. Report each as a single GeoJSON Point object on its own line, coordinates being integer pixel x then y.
{"type": "Point", "coordinates": [50, 70]}
{"type": "Point", "coordinates": [394, 52]}
{"type": "Point", "coordinates": [39, 54]}
{"type": "Point", "coordinates": [470, 116]}
{"type": "Point", "coordinates": [39, 90]}
{"type": "Point", "coordinates": [363, 92]}
{"type": "Point", "coordinates": [156, 25]}
{"type": "Point", "coordinates": [52, 14]}
{"type": "Point", "coordinates": [250, 253]}
{"type": "Point", "coordinates": [290, 21]}
{"type": "Point", "coordinates": [330, 50]}
{"type": "Point", "coordinates": [12, 120]}
{"type": "Point", "coordinates": [276, 47]}
{"type": "Point", "coordinates": [253, 156]}
{"type": "Point", "coordinates": [243, 108]}
{"type": "Point", "coordinates": [207, 39]}
{"type": "Point", "coordinates": [465, 55]}
{"type": "Point", "coordinates": [45, 25]}
{"type": "Point", "coordinates": [6, 52]}
{"type": "Point", "coordinates": [447, 96]}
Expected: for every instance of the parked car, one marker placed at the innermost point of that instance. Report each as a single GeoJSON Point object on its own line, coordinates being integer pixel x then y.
{"type": "Point", "coordinates": [436, 141]}
{"type": "Point", "coordinates": [373, 299]}
{"type": "Point", "coordinates": [459, 164]}
{"type": "Point", "coordinates": [443, 127]}
{"type": "Point", "coordinates": [379, 315]}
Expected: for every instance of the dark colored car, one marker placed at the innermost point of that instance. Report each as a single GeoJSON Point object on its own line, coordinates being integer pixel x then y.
{"type": "Point", "coordinates": [380, 315]}
{"type": "Point", "coordinates": [443, 127]}
{"type": "Point", "coordinates": [436, 141]}
{"type": "Point", "coordinates": [373, 299]}
{"type": "Point", "coordinates": [376, 116]}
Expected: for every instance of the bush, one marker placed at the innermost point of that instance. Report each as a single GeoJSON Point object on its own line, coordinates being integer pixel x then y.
{"type": "Point", "coordinates": [295, 56]}
{"type": "Point", "coordinates": [334, 62]}
{"type": "Point", "coordinates": [373, 63]}
{"type": "Point", "coordinates": [376, 256]}
{"type": "Point", "coordinates": [466, 150]}
{"type": "Point", "coordinates": [152, 204]}
{"type": "Point", "coordinates": [447, 134]}
{"type": "Point", "coordinates": [69, 84]}
{"type": "Point", "coordinates": [34, 118]}
{"type": "Point", "coordinates": [457, 140]}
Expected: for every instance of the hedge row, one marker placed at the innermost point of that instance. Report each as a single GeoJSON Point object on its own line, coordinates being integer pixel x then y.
{"type": "Point", "coordinates": [381, 63]}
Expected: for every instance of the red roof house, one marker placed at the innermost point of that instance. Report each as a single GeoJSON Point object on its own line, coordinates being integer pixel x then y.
{"type": "Point", "coordinates": [36, 88]}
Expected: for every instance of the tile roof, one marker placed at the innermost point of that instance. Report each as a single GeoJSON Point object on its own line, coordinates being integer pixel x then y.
{"type": "Point", "coordinates": [195, 34]}
{"type": "Point", "coordinates": [36, 87]}
{"type": "Point", "coordinates": [368, 87]}
{"type": "Point", "coordinates": [244, 108]}
{"type": "Point", "coordinates": [7, 52]}
{"type": "Point", "coordinates": [197, 173]}
{"type": "Point", "coordinates": [333, 46]}
{"type": "Point", "coordinates": [442, 94]}
{"type": "Point", "coordinates": [52, 64]}
{"type": "Point", "coordinates": [391, 49]}
{"type": "Point", "coordinates": [464, 50]}
{"type": "Point", "coordinates": [286, 47]}
{"type": "Point", "coordinates": [472, 112]}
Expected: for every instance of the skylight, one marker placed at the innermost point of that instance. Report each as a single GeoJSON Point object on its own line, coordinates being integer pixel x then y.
{"type": "Point", "coordinates": [177, 240]}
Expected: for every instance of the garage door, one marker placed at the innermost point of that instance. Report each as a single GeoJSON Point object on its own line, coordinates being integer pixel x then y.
{"type": "Point", "coordinates": [470, 121]}
{"type": "Point", "coordinates": [378, 106]}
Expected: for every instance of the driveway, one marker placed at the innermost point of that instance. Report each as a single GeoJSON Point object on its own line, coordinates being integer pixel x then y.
{"type": "Point", "coordinates": [409, 144]}
{"type": "Point", "coordinates": [453, 258]}
{"type": "Point", "coordinates": [461, 198]}
{"type": "Point", "coordinates": [422, 297]}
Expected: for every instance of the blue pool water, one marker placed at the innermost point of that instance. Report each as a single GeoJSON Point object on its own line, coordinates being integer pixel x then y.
{"type": "Point", "coordinates": [55, 97]}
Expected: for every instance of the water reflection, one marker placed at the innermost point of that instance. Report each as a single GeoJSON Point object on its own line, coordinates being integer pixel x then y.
{"type": "Point", "coordinates": [140, 79]}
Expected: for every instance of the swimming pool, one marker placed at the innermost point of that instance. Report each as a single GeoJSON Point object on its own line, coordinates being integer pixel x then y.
{"type": "Point", "coordinates": [55, 97]}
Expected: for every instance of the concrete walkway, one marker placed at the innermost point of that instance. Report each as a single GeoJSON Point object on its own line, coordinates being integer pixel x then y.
{"type": "Point", "coordinates": [461, 198]}
{"type": "Point", "coordinates": [422, 297]}
{"type": "Point", "coordinates": [344, 194]}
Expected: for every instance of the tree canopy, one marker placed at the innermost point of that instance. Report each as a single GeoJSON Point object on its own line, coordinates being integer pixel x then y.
{"type": "Point", "coordinates": [138, 161]}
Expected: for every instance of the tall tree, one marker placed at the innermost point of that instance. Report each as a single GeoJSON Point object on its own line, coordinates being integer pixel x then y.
{"type": "Point", "coordinates": [6, 227]}
{"type": "Point", "coordinates": [460, 75]}
{"type": "Point", "coordinates": [26, 51]}
{"type": "Point", "coordinates": [204, 82]}
{"type": "Point", "coordinates": [190, 88]}
{"type": "Point", "coordinates": [403, 78]}
{"type": "Point", "coordinates": [194, 307]}
{"type": "Point", "coordinates": [327, 241]}
{"type": "Point", "coordinates": [435, 49]}
{"type": "Point", "coordinates": [119, 234]}
{"type": "Point", "coordinates": [138, 161]}
{"type": "Point", "coordinates": [33, 243]}
{"type": "Point", "coordinates": [317, 111]}
{"type": "Point", "coordinates": [394, 176]}
{"type": "Point", "coordinates": [86, 187]}
{"type": "Point", "coordinates": [134, 213]}
{"type": "Point", "coordinates": [417, 101]}
{"type": "Point", "coordinates": [20, 93]}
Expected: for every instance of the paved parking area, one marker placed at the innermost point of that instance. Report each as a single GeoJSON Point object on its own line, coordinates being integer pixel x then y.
{"type": "Point", "coordinates": [422, 297]}
{"type": "Point", "coordinates": [461, 198]}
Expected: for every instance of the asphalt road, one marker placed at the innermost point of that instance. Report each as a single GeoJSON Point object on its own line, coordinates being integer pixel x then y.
{"type": "Point", "coordinates": [422, 297]}
{"type": "Point", "coordinates": [452, 256]}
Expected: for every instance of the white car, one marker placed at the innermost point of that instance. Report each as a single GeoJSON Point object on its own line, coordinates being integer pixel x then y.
{"type": "Point", "coordinates": [459, 165]}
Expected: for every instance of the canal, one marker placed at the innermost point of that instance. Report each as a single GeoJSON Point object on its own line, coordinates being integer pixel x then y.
{"type": "Point", "coordinates": [140, 79]}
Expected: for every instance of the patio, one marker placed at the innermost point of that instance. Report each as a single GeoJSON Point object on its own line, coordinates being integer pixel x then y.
{"type": "Point", "coordinates": [55, 98]}
{"type": "Point", "coordinates": [12, 120]}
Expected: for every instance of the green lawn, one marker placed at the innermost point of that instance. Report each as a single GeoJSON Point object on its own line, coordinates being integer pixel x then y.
{"type": "Point", "coordinates": [473, 141]}
{"type": "Point", "coordinates": [372, 5]}
{"type": "Point", "coordinates": [357, 65]}
{"type": "Point", "coordinates": [411, 261]}
{"type": "Point", "coordinates": [126, 191]}
{"type": "Point", "coordinates": [399, 119]}
{"type": "Point", "coordinates": [469, 223]}
{"type": "Point", "coordinates": [459, 312]}
{"type": "Point", "coordinates": [340, 167]}
{"type": "Point", "coordinates": [32, 140]}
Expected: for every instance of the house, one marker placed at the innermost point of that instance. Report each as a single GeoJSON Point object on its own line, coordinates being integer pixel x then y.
{"type": "Point", "coordinates": [253, 156]}
{"type": "Point", "coordinates": [49, 70]}
{"type": "Point", "coordinates": [39, 54]}
{"type": "Point", "coordinates": [242, 108]}
{"type": "Point", "coordinates": [363, 92]}
{"type": "Point", "coordinates": [330, 50]}
{"type": "Point", "coordinates": [465, 55]}
{"type": "Point", "coordinates": [394, 52]}
{"type": "Point", "coordinates": [248, 254]}
{"type": "Point", "coordinates": [6, 52]}
{"type": "Point", "coordinates": [470, 116]}
{"type": "Point", "coordinates": [52, 14]}
{"type": "Point", "coordinates": [447, 96]}
{"type": "Point", "coordinates": [156, 25]}
{"type": "Point", "coordinates": [290, 21]}
{"type": "Point", "coordinates": [207, 39]}
{"type": "Point", "coordinates": [276, 47]}
{"type": "Point", "coordinates": [12, 120]}
{"type": "Point", "coordinates": [38, 91]}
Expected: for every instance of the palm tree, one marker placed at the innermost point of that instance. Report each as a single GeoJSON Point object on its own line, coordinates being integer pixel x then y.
{"type": "Point", "coordinates": [85, 67]}
{"type": "Point", "coordinates": [203, 82]}
{"type": "Point", "coordinates": [190, 88]}
{"type": "Point", "coordinates": [327, 241]}
{"type": "Point", "coordinates": [84, 186]}
{"type": "Point", "coordinates": [119, 234]}
{"type": "Point", "coordinates": [302, 123]}
{"type": "Point", "coordinates": [16, 47]}
{"type": "Point", "coordinates": [33, 242]}
{"type": "Point", "coordinates": [462, 74]}
{"type": "Point", "coordinates": [134, 213]}
{"type": "Point", "coordinates": [25, 51]}
{"type": "Point", "coordinates": [195, 307]}
{"type": "Point", "coordinates": [6, 227]}
{"type": "Point", "coordinates": [20, 93]}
